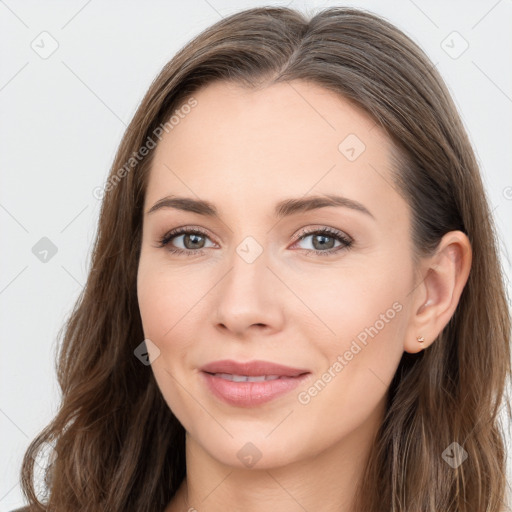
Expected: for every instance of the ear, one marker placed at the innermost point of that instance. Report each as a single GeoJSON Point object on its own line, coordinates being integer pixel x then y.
{"type": "Point", "coordinates": [442, 279]}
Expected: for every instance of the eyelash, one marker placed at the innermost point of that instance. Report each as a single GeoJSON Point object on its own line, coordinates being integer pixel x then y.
{"type": "Point", "coordinates": [329, 232]}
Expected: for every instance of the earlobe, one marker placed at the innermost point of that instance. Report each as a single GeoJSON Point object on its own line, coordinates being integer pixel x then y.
{"type": "Point", "coordinates": [445, 275]}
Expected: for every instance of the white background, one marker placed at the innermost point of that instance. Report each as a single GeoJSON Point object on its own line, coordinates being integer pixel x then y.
{"type": "Point", "coordinates": [63, 117]}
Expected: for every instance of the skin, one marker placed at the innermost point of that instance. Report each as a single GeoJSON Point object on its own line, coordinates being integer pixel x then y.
{"type": "Point", "coordinates": [244, 151]}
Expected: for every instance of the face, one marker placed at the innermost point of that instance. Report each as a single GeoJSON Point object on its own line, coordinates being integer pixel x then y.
{"type": "Point", "coordinates": [322, 288]}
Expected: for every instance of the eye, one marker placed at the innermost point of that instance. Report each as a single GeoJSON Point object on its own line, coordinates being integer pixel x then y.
{"type": "Point", "coordinates": [323, 241]}
{"type": "Point", "coordinates": [192, 240]}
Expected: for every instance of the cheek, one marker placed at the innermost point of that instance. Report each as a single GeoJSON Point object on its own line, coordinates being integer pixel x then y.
{"type": "Point", "coordinates": [163, 305]}
{"type": "Point", "coordinates": [165, 297]}
{"type": "Point", "coordinates": [160, 312]}
{"type": "Point", "coordinates": [364, 313]}
{"type": "Point", "coordinates": [152, 303]}
{"type": "Point", "coordinates": [350, 302]}
{"type": "Point", "coordinates": [370, 321]}
{"type": "Point", "coordinates": [172, 307]}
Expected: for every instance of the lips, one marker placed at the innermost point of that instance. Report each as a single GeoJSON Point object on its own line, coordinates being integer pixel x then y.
{"type": "Point", "coordinates": [251, 384]}
{"type": "Point", "coordinates": [252, 369]}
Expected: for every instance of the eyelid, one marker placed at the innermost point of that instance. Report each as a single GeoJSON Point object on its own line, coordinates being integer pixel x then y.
{"type": "Point", "coordinates": [180, 231]}
{"type": "Point", "coordinates": [323, 228]}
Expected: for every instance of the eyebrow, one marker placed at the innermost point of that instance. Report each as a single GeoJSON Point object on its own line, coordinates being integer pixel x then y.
{"type": "Point", "coordinates": [284, 208]}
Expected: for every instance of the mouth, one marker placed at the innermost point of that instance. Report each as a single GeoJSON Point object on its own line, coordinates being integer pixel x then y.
{"type": "Point", "coordinates": [252, 383]}
{"type": "Point", "coordinates": [246, 378]}
{"type": "Point", "coordinates": [252, 369]}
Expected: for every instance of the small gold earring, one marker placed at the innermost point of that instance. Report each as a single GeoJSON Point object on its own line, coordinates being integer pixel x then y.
{"type": "Point", "coordinates": [421, 339]}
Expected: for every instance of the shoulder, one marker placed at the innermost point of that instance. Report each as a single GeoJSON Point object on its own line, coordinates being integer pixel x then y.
{"type": "Point", "coordinates": [22, 509]}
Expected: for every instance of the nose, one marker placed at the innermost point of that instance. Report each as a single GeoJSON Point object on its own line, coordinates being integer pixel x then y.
{"type": "Point", "coordinates": [249, 298]}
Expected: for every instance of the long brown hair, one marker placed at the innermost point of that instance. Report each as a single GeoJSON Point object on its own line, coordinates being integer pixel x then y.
{"type": "Point", "coordinates": [118, 445]}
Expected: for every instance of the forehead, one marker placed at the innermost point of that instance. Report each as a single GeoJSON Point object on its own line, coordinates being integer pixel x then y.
{"type": "Point", "coordinates": [299, 112]}
{"type": "Point", "coordinates": [284, 140]}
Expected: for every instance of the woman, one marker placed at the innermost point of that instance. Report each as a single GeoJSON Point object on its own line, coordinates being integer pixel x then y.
{"type": "Point", "coordinates": [295, 299]}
